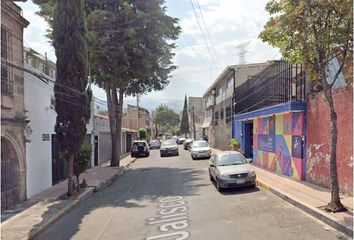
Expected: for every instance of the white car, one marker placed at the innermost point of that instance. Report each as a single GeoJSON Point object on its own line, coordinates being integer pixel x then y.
{"type": "Point", "coordinates": [200, 149]}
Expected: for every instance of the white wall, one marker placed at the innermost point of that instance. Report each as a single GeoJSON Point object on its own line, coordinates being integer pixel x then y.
{"type": "Point", "coordinates": [42, 121]}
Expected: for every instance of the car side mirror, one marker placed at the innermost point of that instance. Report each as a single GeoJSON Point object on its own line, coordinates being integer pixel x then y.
{"type": "Point", "coordinates": [211, 165]}
{"type": "Point", "coordinates": [250, 161]}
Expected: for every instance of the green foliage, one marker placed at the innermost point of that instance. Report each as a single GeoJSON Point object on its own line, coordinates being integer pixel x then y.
{"type": "Point", "coordinates": [311, 32]}
{"type": "Point", "coordinates": [235, 144]}
{"type": "Point", "coordinates": [184, 122]}
{"type": "Point", "coordinates": [165, 118]}
{"type": "Point", "coordinates": [72, 108]}
{"type": "Point", "coordinates": [143, 133]}
{"type": "Point", "coordinates": [176, 131]}
{"type": "Point", "coordinates": [82, 159]}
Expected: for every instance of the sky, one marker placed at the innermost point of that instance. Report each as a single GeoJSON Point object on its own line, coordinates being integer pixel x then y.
{"type": "Point", "coordinates": [203, 50]}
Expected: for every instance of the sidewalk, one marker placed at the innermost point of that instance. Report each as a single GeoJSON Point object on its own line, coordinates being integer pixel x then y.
{"type": "Point", "coordinates": [34, 215]}
{"type": "Point", "coordinates": [308, 197]}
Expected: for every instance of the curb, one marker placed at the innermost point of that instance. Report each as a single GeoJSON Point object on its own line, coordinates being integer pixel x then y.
{"type": "Point", "coordinates": [314, 212]}
{"type": "Point", "coordinates": [83, 196]}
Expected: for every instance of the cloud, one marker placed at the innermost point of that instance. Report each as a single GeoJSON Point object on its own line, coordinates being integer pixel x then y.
{"type": "Point", "coordinates": [229, 24]}
{"type": "Point", "coordinates": [34, 34]}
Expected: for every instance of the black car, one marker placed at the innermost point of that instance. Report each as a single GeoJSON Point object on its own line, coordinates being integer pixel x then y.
{"type": "Point", "coordinates": [187, 143]}
{"type": "Point", "coordinates": [169, 147]}
{"type": "Point", "coordinates": [155, 144]}
{"type": "Point", "coordinates": [140, 148]}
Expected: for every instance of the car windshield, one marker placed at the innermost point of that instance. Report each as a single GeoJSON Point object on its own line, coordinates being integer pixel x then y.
{"type": "Point", "coordinates": [200, 144]}
{"type": "Point", "coordinates": [139, 144]}
{"type": "Point", "coordinates": [169, 143]}
{"type": "Point", "coordinates": [231, 159]}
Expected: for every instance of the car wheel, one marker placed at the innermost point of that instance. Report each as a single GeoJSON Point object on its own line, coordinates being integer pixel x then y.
{"type": "Point", "coordinates": [177, 154]}
{"type": "Point", "coordinates": [192, 157]}
{"type": "Point", "coordinates": [210, 177]}
{"type": "Point", "coordinates": [218, 187]}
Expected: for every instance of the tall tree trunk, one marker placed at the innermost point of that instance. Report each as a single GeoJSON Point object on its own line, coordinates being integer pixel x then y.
{"type": "Point", "coordinates": [118, 104]}
{"type": "Point", "coordinates": [70, 168]}
{"type": "Point", "coordinates": [335, 205]}
{"type": "Point", "coordinates": [119, 121]}
{"type": "Point", "coordinates": [112, 125]}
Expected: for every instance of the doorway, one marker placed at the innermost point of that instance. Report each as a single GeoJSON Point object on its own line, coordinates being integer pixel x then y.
{"type": "Point", "coordinates": [248, 127]}
{"type": "Point", "coordinates": [95, 153]}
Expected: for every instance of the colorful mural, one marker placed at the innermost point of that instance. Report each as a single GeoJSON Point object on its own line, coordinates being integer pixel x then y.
{"type": "Point", "coordinates": [278, 143]}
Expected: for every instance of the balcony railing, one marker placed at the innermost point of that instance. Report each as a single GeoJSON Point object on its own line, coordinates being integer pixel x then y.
{"type": "Point", "coordinates": [279, 83]}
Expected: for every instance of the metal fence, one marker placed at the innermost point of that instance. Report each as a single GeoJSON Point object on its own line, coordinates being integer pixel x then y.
{"type": "Point", "coordinates": [280, 82]}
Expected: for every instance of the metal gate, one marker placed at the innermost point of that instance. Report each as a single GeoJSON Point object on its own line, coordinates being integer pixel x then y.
{"type": "Point", "coordinates": [96, 151]}
{"type": "Point", "coordinates": [9, 174]}
{"type": "Point", "coordinates": [129, 142]}
{"type": "Point", "coordinates": [58, 166]}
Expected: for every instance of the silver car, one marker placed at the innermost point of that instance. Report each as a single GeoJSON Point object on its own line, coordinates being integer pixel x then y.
{"type": "Point", "coordinates": [169, 147]}
{"type": "Point", "coordinates": [200, 149]}
{"type": "Point", "coordinates": [231, 169]}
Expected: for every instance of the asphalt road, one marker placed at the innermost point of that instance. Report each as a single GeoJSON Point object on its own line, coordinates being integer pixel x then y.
{"type": "Point", "coordinates": [172, 198]}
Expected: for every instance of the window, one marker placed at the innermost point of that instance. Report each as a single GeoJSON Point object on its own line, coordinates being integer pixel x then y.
{"type": "Point", "coordinates": [228, 114]}
{"type": "Point", "coordinates": [45, 69]}
{"type": "Point", "coordinates": [222, 114]}
{"type": "Point", "coordinates": [34, 63]}
{"type": "Point", "coordinates": [216, 118]}
{"type": "Point", "coordinates": [6, 54]}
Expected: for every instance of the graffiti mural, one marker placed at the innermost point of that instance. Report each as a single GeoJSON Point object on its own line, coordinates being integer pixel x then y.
{"type": "Point", "coordinates": [278, 144]}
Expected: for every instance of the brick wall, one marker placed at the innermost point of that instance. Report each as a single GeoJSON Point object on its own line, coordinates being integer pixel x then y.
{"type": "Point", "coordinates": [318, 139]}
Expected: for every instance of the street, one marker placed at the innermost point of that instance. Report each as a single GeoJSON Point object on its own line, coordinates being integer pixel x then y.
{"type": "Point", "coordinates": [172, 198]}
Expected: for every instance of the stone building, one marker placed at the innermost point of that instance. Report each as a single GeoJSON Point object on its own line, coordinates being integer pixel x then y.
{"type": "Point", "coordinates": [13, 122]}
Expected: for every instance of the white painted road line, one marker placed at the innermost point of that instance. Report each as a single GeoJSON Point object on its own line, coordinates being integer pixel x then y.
{"type": "Point", "coordinates": [173, 216]}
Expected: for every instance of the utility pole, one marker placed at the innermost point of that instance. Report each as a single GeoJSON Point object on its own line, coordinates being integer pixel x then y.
{"type": "Point", "coordinates": [137, 115]}
{"type": "Point", "coordinates": [194, 130]}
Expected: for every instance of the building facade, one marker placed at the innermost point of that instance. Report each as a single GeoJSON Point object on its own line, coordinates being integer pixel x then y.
{"type": "Point", "coordinates": [218, 99]}
{"type": "Point", "coordinates": [196, 116]}
{"type": "Point", "coordinates": [13, 122]}
{"type": "Point", "coordinates": [102, 149]}
{"type": "Point", "coordinates": [269, 119]}
{"type": "Point", "coordinates": [41, 116]}
{"type": "Point", "coordinates": [130, 118]}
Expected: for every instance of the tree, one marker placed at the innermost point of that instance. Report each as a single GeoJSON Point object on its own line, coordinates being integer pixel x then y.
{"type": "Point", "coordinates": [314, 32]}
{"type": "Point", "coordinates": [143, 133]}
{"type": "Point", "coordinates": [165, 119]}
{"type": "Point", "coordinates": [130, 51]}
{"type": "Point", "coordinates": [184, 122]}
{"type": "Point", "coordinates": [71, 104]}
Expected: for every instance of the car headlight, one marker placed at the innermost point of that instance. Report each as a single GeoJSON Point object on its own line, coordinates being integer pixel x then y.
{"type": "Point", "coordinates": [252, 173]}
{"type": "Point", "coordinates": [224, 176]}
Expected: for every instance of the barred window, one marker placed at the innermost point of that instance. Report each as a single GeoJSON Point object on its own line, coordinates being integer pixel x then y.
{"type": "Point", "coordinates": [216, 118]}
{"type": "Point", "coordinates": [6, 54]}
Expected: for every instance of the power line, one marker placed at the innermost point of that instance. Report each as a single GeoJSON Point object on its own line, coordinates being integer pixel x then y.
{"type": "Point", "coordinates": [206, 43]}
{"type": "Point", "coordinates": [206, 28]}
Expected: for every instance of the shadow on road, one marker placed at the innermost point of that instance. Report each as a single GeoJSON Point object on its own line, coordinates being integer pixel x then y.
{"type": "Point", "coordinates": [134, 188]}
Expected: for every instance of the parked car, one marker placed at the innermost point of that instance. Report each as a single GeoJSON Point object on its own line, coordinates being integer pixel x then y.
{"type": "Point", "coordinates": [155, 144]}
{"type": "Point", "coordinates": [140, 148]}
{"type": "Point", "coordinates": [200, 149]}
{"type": "Point", "coordinates": [181, 140]}
{"type": "Point", "coordinates": [231, 169]}
{"type": "Point", "coordinates": [169, 147]}
{"type": "Point", "coordinates": [187, 143]}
